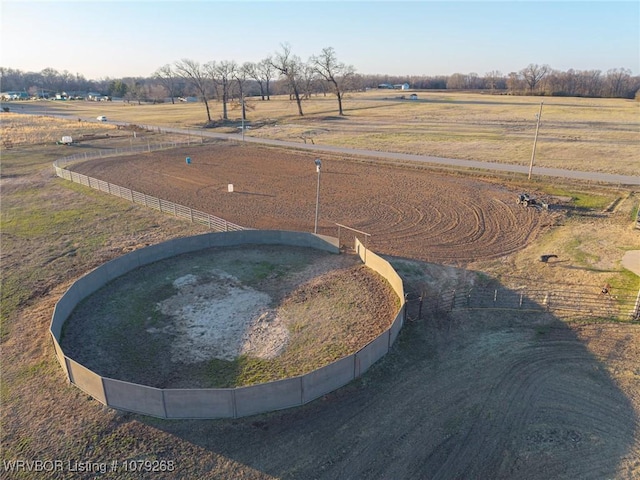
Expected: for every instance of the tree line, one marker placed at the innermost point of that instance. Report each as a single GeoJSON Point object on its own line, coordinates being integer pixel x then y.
{"type": "Point", "coordinates": [229, 82]}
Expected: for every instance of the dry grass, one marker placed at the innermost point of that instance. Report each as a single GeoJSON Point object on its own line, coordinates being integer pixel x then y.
{"type": "Point", "coordinates": [20, 130]}
{"type": "Point", "coordinates": [46, 244]}
{"type": "Point", "coordinates": [575, 133]}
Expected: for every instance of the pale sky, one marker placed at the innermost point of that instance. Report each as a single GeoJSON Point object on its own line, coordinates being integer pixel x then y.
{"type": "Point", "coordinates": [121, 38]}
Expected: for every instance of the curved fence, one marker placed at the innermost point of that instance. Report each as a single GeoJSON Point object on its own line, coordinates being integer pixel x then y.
{"type": "Point", "coordinates": [220, 402]}
{"type": "Point", "coordinates": [195, 216]}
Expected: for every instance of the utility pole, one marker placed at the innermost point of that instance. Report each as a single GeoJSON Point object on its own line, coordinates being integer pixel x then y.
{"type": "Point", "coordinates": [318, 163]}
{"type": "Point", "coordinates": [535, 141]}
{"type": "Point", "coordinates": [243, 113]}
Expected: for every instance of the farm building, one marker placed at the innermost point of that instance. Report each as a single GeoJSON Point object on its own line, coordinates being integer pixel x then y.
{"type": "Point", "coordinates": [397, 86]}
{"type": "Point", "coordinates": [14, 96]}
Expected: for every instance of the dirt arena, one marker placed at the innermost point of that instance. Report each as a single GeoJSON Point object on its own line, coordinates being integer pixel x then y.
{"type": "Point", "coordinates": [409, 212]}
{"type": "Point", "coordinates": [480, 395]}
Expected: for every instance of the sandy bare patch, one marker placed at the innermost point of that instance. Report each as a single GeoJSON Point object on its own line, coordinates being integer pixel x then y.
{"type": "Point", "coordinates": [221, 319]}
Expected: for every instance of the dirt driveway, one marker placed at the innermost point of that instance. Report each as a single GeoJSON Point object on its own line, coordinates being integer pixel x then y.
{"type": "Point", "coordinates": [483, 395]}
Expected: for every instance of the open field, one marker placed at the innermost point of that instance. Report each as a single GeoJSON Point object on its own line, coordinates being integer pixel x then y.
{"type": "Point", "coordinates": [478, 394]}
{"type": "Point", "coordinates": [600, 135]}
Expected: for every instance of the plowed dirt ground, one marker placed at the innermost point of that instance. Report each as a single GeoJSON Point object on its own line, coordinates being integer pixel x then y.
{"type": "Point", "coordinates": [408, 212]}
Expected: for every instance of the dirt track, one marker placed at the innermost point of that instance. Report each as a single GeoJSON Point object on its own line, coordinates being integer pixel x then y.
{"type": "Point", "coordinates": [475, 396]}
{"type": "Point", "coordinates": [410, 213]}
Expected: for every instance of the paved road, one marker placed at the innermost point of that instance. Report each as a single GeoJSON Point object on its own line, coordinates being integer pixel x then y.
{"type": "Point", "coordinates": [537, 171]}
{"type": "Point", "coordinates": [40, 109]}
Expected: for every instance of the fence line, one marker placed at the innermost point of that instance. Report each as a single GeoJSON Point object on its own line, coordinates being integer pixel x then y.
{"type": "Point", "coordinates": [211, 221]}
{"type": "Point", "coordinates": [541, 299]}
{"type": "Point", "coordinates": [623, 306]}
{"type": "Point", "coordinates": [184, 403]}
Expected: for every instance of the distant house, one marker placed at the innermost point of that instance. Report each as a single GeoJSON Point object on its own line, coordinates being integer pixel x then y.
{"type": "Point", "coordinates": [413, 96]}
{"type": "Point", "coordinates": [14, 96]}
{"type": "Point", "coordinates": [188, 99]}
{"type": "Point", "coordinates": [96, 97]}
{"type": "Point", "coordinates": [397, 86]}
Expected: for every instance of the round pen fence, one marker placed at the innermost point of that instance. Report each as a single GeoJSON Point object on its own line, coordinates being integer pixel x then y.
{"type": "Point", "coordinates": [220, 402]}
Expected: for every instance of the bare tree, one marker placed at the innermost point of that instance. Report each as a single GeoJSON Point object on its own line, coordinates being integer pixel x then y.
{"type": "Point", "coordinates": [262, 72]}
{"type": "Point", "coordinates": [267, 73]}
{"type": "Point", "coordinates": [223, 73]}
{"type": "Point", "coordinates": [241, 74]}
{"type": "Point", "coordinates": [534, 74]}
{"type": "Point", "coordinates": [617, 80]}
{"type": "Point", "coordinates": [457, 81]}
{"type": "Point", "coordinates": [515, 83]}
{"type": "Point", "coordinates": [135, 90]}
{"type": "Point", "coordinates": [156, 93]}
{"type": "Point", "coordinates": [51, 79]}
{"type": "Point", "coordinates": [494, 79]}
{"type": "Point", "coordinates": [167, 78]}
{"type": "Point", "coordinates": [197, 77]}
{"type": "Point", "coordinates": [334, 72]}
{"type": "Point", "coordinates": [308, 77]}
{"type": "Point", "coordinates": [290, 68]}
{"type": "Point", "coordinates": [592, 82]}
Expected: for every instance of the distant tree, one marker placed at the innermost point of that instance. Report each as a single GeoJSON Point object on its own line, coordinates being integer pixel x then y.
{"type": "Point", "coordinates": [196, 75]}
{"type": "Point", "coordinates": [167, 78]}
{"type": "Point", "coordinates": [336, 73]}
{"type": "Point", "coordinates": [240, 75]}
{"type": "Point", "coordinates": [515, 83]}
{"type": "Point", "coordinates": [457, 81]}
{"type": "Point", "coordinates": [308, 80]}
{"type": "Point", "coordinates": [494, 80]}
{"type": "Point", "coordinates": [117, 88]}
{"type": "Point", "coordinates": [262, 72]}
{"type": "Point", "coordinates": [51, 79]}
{"type": "Point", "coordinates": [534, 74]}
{"type": "Point", "coordinates": [224, 72]}
{"type": "Point", "coordinates": [290, 68]}
{"type": "Point", "coordinates": [135, 90]}
{"type": "Point", "coordinates": [591, 81]}
{"type": "Point", "coordinates": [156, 93]}
{"type": "Point", "coordinates": [618, 83]}
{"type": "Point", "coordinates": [267, 73]}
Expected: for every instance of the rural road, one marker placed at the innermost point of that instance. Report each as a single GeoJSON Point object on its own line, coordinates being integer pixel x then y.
{"type": "Point", "coordinates": [549, 172]}
{"type": "Point", "coordinates": [37, 109]}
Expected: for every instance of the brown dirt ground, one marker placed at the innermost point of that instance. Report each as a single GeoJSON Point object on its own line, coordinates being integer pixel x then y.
{"type": "Point", "coordinates": [473, 395]}
{"type": "Point", "coordinates": [412, 213]}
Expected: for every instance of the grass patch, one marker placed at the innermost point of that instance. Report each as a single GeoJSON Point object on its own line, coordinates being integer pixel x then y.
{"type": "Point", "coordinates": [624, 280]}
{"type": "Point", "coordinates": [581, 199]}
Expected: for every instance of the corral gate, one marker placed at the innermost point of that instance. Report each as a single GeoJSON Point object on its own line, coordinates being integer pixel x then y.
{"type": "Point", "coordinates": [346, 238]}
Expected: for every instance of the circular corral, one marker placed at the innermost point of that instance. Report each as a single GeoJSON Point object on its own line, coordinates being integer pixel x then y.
{"type": "Point", "coordinates": [215, 317]}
